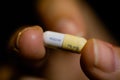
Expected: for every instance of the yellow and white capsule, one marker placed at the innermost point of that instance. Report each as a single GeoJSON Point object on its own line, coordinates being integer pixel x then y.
{"type": "Point", "coordinates": [64, 41]}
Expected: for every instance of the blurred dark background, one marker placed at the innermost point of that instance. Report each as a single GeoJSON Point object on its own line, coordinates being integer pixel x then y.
{"type": "Point", "coordinates": [22, 12]}
{"type": "Point", "coordinates": [14, 14]}
{"type": "Point", "coordinates": [109, 13]}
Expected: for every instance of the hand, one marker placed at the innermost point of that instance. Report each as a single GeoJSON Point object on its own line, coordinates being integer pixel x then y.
{"type": "Point", "coordinates": [99, 60]}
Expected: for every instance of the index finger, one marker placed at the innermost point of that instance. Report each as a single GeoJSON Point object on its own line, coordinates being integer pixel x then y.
{"type": "Point", "coordinates": [62, 16]}
{"type": "Point", "coordinates": [72, 17]}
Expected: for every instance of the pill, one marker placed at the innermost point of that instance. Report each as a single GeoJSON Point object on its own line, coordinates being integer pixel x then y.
{"type": "Point", "coordinates": [64, 41]}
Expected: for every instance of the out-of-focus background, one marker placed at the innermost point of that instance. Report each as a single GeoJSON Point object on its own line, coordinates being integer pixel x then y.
{"type": "Point", "coordinates": [14, 14]}
{"type": "Point", "coordinates": [108, 13]}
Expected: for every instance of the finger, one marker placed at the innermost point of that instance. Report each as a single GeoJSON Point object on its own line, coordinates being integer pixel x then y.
{"type": "Point", "coordinates": [101, 60]}
{"type": "Point", "coordinates": [62, 16]}
{"type": "Point", "coordinates": [28, 42]}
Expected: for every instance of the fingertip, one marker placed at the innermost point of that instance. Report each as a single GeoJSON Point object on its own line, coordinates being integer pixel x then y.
{"type": "Point", "coordinates": [29, 43]}
{"type": "Point", "coordinates": [64, 19]}
{"type": "Point", "coordinates": [98, 59]}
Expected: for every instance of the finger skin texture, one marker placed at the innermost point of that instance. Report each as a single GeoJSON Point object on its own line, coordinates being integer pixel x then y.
{"type": "Point", "coordinates": [59, 14]}
{"type": "Point", "coordinates": [30, 43]}
{"type": "Point", "coordinates": [63, 16]}
{"type": "Point", "coordinates": [100, 60]}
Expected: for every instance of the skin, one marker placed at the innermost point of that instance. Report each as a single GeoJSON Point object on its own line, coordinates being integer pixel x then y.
{"type": "Point", "coordinates": [66, 16]}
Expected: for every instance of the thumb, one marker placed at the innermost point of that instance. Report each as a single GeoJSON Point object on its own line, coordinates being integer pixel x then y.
{"type": "Point", "coordinates": [101, 60]}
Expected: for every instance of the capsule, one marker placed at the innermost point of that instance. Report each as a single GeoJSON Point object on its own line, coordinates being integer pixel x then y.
{"type": "Point", "coordinates": [64, 41]}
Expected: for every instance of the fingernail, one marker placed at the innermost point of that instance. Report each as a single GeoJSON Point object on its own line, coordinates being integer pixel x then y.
{"type": "Point", "coordinates": [24, 30]}
{"type": "Point", "coordinates": [30, 43]}
{"type": "Point", "coordinates": [104, 56]}
{"type": "Point", "coordinates": [69, 27]}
